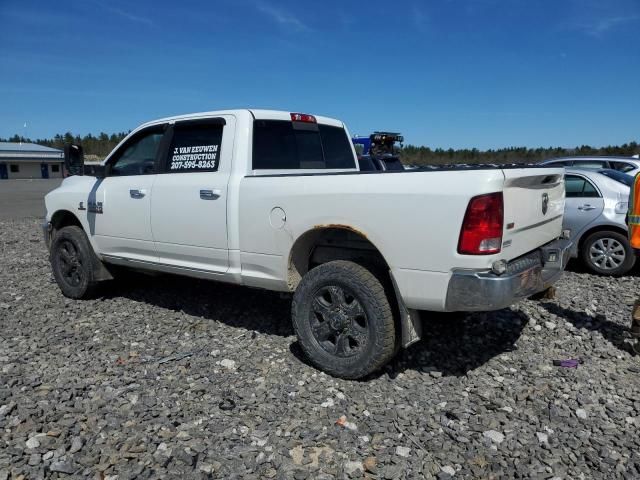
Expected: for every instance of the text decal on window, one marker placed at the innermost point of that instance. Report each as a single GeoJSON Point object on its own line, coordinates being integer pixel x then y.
{"type": "Point", "coordinates": [195, 157]}
{"type": "Point", "coordinates": [195, 148]}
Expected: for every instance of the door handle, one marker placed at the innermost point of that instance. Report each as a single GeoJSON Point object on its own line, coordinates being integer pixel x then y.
{"type": "Point", "coordinates": [210, 194]}
{"type": "Point", "coordinates": [137, 193]}
{"type": "Point", "coordinates": [586, 207]}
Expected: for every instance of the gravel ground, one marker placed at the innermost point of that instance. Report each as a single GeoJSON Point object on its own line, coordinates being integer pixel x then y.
{"type": "Point", "coordinates": [165, 377]}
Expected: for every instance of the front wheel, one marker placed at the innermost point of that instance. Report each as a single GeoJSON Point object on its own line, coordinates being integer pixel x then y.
{"type": "Point", "coordinates": [343, 320]}
{"type": "Point", "coordinates": [72, 260]}
{"type": "Point", "coordinates": [608, 253]}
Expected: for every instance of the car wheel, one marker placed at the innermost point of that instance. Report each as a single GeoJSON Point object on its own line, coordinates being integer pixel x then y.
{"type": "Point", "coordinates": [72, 258]}
{"type": "Point", "coordinates": [608, 253]}
{"type": "Point", "coordinates": [343, 320]}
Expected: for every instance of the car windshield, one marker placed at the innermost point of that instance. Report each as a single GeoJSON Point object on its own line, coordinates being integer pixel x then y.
{"type": "Point", "coordinates": [618, 176]}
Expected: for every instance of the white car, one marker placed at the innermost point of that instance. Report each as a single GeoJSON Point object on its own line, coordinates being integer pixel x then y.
{"type": "Point", "coordinates": [275, 200]}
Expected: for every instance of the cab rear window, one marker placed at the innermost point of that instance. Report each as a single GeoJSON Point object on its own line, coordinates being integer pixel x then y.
{"type": "Point", "coordinates": [278, 145]}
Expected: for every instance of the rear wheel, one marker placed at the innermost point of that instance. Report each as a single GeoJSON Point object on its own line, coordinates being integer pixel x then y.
{"type": "Point", "coordinates": [343, 320]}
{"type": "Point", "coordinates": [607, 253]}
{"type": "Point", "coordinates": [72, 260]}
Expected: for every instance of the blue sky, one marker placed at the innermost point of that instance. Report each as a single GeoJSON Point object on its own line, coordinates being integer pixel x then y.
{"type": "Point", "coordinates": [446, 73]}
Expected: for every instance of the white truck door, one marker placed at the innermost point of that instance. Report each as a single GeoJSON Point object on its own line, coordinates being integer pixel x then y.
{"type": "Point", "coordinates": [119, 205]}
{"type": "Point", "coordinates": [189, 202]}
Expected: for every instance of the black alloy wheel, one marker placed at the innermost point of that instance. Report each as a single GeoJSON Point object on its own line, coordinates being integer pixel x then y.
{"type": "Point", "coordinates": [71, 266]}
{"type": "Point", "coordinates": [72, 262]}
{"type": "Point", "coordinates": [338, 321]}
{"type": "Point", "coordinates": [343, 319]}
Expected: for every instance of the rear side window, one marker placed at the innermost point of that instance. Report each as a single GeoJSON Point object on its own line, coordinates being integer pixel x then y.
{"type": "Point", "coordinates": [579, 187]}
{"type": "Point", "coordinates": [195, 147]}
{"type": "Point", "coordinates": [623, 166]}
{"type": "Point", "coordinates": [278, 145]}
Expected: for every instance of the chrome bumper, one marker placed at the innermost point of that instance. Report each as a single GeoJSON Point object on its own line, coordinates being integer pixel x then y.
{"type": "Point", "coordinates": [472, 290]}
{"type": "Point", "coordinates": [46, 232]}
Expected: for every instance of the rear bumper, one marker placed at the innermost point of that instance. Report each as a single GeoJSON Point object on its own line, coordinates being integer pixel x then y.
{"type": "Point", "coordinates": [472, 290]}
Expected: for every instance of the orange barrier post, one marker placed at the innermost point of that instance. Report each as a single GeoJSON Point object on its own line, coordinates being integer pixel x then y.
{"type": "Point", "coordinates": [634, 214]}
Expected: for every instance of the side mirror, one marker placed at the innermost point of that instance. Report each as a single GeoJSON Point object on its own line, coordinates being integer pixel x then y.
{"type": "Point", "coordinates": [74, 159]}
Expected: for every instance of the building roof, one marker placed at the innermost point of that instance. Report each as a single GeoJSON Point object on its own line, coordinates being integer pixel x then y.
{"type": "Point", "coordinates": [28, 152]}
{"type": "Point", "coordinates": [25, 147]}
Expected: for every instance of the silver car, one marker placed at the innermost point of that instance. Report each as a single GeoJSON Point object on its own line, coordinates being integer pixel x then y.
{"type": "Point", "coordinates": [595, 212]}
{"type": "Point", "coordinates": [628, 165]}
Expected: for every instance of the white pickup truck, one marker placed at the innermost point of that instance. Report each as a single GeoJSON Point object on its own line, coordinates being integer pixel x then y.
{"type": "Point", "coordinates": [275, 200]}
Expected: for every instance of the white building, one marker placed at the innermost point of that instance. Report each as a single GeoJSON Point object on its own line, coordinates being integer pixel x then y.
{"type": "Point", "coordinates": [28, 160]}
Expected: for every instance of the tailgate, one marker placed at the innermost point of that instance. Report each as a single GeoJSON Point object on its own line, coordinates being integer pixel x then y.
{"type": "Point", "coordinates": [533, 208]}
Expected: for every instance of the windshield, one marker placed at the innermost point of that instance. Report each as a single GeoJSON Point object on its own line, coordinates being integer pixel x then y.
{"type": "Point", "coordinates": [618, 177]}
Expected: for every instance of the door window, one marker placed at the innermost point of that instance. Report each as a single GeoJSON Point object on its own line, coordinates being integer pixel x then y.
{"type": "Point", "coordinates": [195, 147]}
{"type": "Point", "coordinates": [579, 187]}
{"type": "Point", "coordinates": [138, 156]}
{"type": "Point", "coordinates": [590, 190]}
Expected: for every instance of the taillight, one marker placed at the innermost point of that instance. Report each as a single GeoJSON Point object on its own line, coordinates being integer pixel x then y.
{"type": "Point", "coordinates": [481, 232]}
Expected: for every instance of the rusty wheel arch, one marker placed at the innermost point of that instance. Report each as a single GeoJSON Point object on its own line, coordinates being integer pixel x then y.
{"type": "Point", "coordinates": [327, 242]}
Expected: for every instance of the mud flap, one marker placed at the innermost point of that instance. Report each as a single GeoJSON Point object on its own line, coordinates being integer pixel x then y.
{"type": "Point", "coordinates": [410, 323]}
{"type": "Point", "coordinates": [100, 271]}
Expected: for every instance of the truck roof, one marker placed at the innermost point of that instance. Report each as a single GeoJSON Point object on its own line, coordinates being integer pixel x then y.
{"type": "Point", "coordinates": [258, 114]}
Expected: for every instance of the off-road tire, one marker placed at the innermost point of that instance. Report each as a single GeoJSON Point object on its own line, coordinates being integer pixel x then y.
{"type": "Point", "coordinates": [72, 262]}
{"type": "Point", "coordinates": [360, 285]}
{"type": "Point", "coordinates": [623, 268]}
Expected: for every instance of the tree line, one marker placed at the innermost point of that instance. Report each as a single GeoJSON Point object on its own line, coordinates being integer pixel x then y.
{"type": "Point", "coordinates": [100, 145]}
